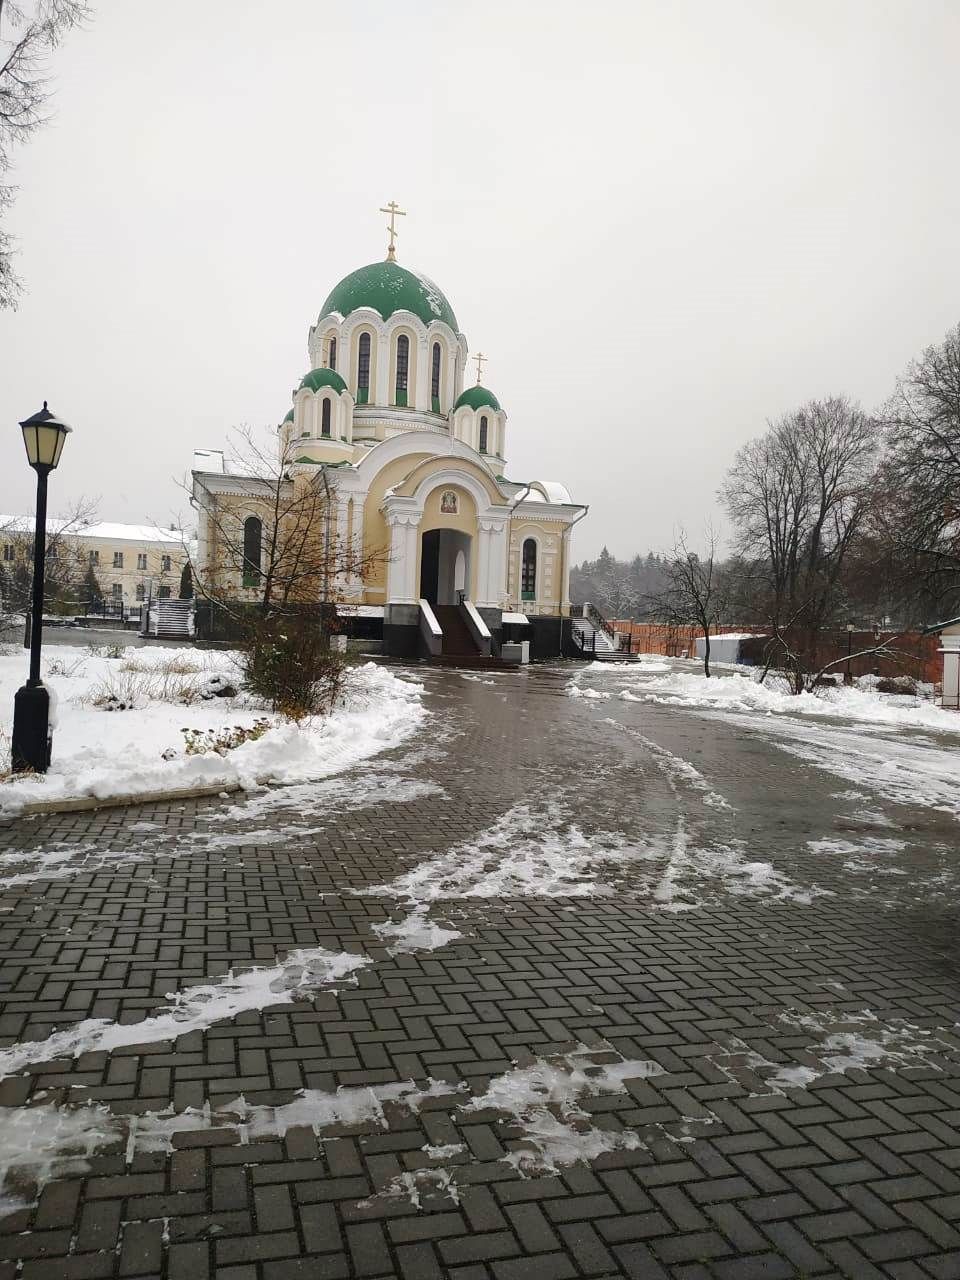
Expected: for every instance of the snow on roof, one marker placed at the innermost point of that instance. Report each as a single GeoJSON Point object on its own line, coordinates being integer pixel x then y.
{"type": "Point", "coordinates": [549, 490]}
{"type": "Point", "coordinates": [102, 529]}
{"type": "Point", "coordinates": [209, 460]}
{"type": "Point", "coordinates": [516, 619]}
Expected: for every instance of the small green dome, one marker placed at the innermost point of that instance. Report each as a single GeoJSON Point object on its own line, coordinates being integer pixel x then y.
{"type": "Point", "coordinates": [289, 417]}
{"type": "Point", "coordinates": [477, 398]}
{"type": "Point", "coordinates": [318, 378]}
{"type": "Point", "coordinates": [387, 287]}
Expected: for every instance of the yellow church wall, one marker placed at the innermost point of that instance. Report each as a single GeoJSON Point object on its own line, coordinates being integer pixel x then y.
{"type": "Point", "coordinates": [376, 535]}
{"type": "Point", "coordinates": [548, 535]}
{"type": "Point", "coordinates": [464, 521]}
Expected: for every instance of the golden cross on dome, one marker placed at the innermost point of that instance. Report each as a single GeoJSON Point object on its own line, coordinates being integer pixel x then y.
{"type": "Point", "coordinates": [479, 357]}
{"type": "Point", "coordinates": [395, 212]}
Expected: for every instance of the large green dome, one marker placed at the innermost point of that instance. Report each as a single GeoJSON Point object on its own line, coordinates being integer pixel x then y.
{"type": "Point", "coordinates": [387, 287]}
{"type": "Point", "coordinates": [318, 378]}
{"type": "Point", "coordinates": [477, 398]}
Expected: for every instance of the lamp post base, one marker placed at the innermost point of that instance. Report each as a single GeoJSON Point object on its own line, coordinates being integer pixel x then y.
{"type": "Point", "coordinates": [31, 730]}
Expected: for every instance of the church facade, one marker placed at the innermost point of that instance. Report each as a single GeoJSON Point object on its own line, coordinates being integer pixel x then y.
{"type": "Point", "coordinates": [415, 458]}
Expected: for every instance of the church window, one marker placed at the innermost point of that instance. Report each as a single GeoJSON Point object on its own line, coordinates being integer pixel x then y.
{"type": "Point", "coordinates": [166, 564]}
{"type": "Point", "coordinates": [252, 540]}
{"type": "Point", "coordinates": [483, 435]}
{"type": "Point", "coordinates": [141, 591]}
{"type": "Point", "coordinates": [94, 557]}
{"type": "Point", "coordinates": [118, 559]}
{"type": "Point", "coordinates": [164, 593]}
{"type": "Point", "coordinates": [117, 590]}
{"type": "Point", "coordinates": [403, 367]}
{"type": "Point", "coordinates": [435, 379]}
{"type": "Point", "coordinates": [9, 551]}
{"type": "Point", "coordinates": [363, 369]}
{"type": "Point", "coordinates": [141, 560]}
{"type": "Point", "coordinates": [325, 417]}
{"type": "Point", "coordinates": [332, 356]}
{"type": "Point", "coordinates": [528, 573]}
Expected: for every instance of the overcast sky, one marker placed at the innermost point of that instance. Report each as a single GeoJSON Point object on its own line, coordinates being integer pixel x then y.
{"type": "Point", "coordinates": [664, 223]}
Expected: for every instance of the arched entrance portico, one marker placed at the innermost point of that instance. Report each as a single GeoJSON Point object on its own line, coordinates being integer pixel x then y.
{"type": "Point", "coordinates": [444, 565]}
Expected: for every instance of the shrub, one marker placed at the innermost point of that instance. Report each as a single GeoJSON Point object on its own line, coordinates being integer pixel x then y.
{"type": "Point", "coordinates": [288, 663]}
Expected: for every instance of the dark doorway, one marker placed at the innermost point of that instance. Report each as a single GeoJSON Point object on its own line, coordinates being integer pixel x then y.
{"type": "Point", "coordinates": [430, 566]}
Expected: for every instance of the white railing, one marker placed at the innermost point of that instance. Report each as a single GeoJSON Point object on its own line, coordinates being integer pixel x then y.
{"type": "Point", "coordinates": [476, 626]}
{"type": "Point", "coordinates": [430, 629]}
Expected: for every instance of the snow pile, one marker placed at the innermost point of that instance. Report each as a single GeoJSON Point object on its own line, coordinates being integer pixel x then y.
{"type": "Point", "coordinates": [544, 1099]}
{"type": "Point", "coordinates": [299, 977]}
{"type": "Point", "coordinates": [528, 852]}
{"type": "Point", "coordinates": [738, 692]}
{"type": "Point", "coordinates": [123, 756]}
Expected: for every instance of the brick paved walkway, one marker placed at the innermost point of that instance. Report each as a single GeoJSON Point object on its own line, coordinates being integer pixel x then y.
{"type": "Point", "coordinates": [756, 1149]}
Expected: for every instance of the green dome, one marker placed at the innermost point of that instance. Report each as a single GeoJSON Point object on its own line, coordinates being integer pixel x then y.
{"type": "Point", "coordinates": [289, 417]}
{"type": "Point", "coordinates": [318, 378]}
{"type": "Point", "coordinates": [477, 397]}
{"type": "Point", "coordinates": [387, 287]}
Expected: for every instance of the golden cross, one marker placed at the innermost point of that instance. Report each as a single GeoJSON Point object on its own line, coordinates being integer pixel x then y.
{"type": "Point", "coordinates": [395, 212]}
{"type": "Point", "coordinates": [479, 357]}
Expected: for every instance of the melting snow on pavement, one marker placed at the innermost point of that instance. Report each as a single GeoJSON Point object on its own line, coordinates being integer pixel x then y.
{"type": "Point", "coordinates": [302, 975]}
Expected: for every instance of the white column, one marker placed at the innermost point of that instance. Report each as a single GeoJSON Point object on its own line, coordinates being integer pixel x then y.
{"type": "Point", "coordinates": [422, 392]}
{"type": "Point", "coordinates": [565, 585]}
{"type": "Point", "coordinates": [383, 370]}
{"type": "Point", "coordinates": [410, 575]}
{"type": "Point", "coordinates": [395, 564]}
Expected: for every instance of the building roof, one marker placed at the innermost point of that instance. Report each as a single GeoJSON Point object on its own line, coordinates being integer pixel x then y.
{"type": "Point", "coordinates": [939, 626]}
{"type": "Point", "coordinates": [387, 287]}
{"type": "Point", "coordinates": [477, 398]}
{"type": "Point", "coordinates": [104, 529]}
{"type": "Point", "coordinates": [318, 378]}
{"type": "Point", "coordinates": [289, 417]}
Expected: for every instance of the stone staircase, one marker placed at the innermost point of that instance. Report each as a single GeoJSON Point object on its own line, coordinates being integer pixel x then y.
{"type": "Point", "coordinates": [597, 642]}
{"type": "Point", "coordinates": [459, 647]}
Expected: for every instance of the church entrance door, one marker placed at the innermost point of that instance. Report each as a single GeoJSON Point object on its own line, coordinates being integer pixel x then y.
{"type": "Point", "coordinates": [444, 565]}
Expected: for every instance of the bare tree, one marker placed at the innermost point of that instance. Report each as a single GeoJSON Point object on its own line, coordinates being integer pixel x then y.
{"type": "Point", "coordinates": [28, 34]}
{"type": "Point", "coordinates": [799, 498]}
{"type": "Point", "coordinates": [695, 593]}
{"type": "Point", "coordinates": [65, 567]}
{"type": "Point", "coordinates": [293, 556]}
{"type": "Point", "coordinates": [919, 518]}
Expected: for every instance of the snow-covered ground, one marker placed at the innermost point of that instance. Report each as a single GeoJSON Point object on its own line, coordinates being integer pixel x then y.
{"type": "Point", "coordinates": [103, 753]}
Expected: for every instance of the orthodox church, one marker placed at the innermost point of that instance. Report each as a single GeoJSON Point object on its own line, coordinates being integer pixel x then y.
{"type": "Point", "coordinates": [415, 460]}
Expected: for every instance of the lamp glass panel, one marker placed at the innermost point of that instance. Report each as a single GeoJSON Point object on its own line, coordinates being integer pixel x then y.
{"type": "Point", "coordinates": [48, 441]}
{"type": "Point", "coordinates": [61, 441]}
{"type": "Point", "coordinates": [30, 442]}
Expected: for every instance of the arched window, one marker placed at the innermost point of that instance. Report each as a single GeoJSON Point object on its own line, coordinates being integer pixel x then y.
{"type": "Point", "coordinates": [332, 356]}
{"type": "Point", "coordinates": [528, 572]}
{"type": "Point", "coordinates": [483, 435]}
{"type": "Point", "coordinates": [325, 417]}
{"type": "Point", "coordinates": [403, 367]}
{"type": "Point", "coordinates": [363, 369]}
{"type": "Point", "coordinates": [252, 547]}
{"type": "Point", "coordinates": [435, 379]}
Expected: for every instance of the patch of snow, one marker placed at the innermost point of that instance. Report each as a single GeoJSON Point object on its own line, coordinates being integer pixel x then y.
{"type": "Point", "coordinates": [528, 852]}
{"type": "Point", "coordinates": [544, 1099]}
{"type": "Point", "coordinates": [302, 975]}
{"type": "Point", "coordinates": [415, 933]}
{"type": "Point", "coordinates": [40, 1143]}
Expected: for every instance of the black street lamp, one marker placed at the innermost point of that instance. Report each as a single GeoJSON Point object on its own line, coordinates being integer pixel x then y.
{"type": "Point", "coordinates": [44, 435]}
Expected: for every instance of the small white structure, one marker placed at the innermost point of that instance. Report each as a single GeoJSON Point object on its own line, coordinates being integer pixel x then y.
{"type": "Point", "coordinates": [949, 632]}
{"type": "Point", "coordinates": [724, 648]}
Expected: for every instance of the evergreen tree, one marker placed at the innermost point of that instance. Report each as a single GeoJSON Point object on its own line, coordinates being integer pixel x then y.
{"type": "Point", "coordinates": [186, 583]}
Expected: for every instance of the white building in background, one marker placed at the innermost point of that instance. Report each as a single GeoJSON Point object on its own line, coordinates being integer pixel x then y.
{"type": "Point", "coordinates": [129, 560]}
